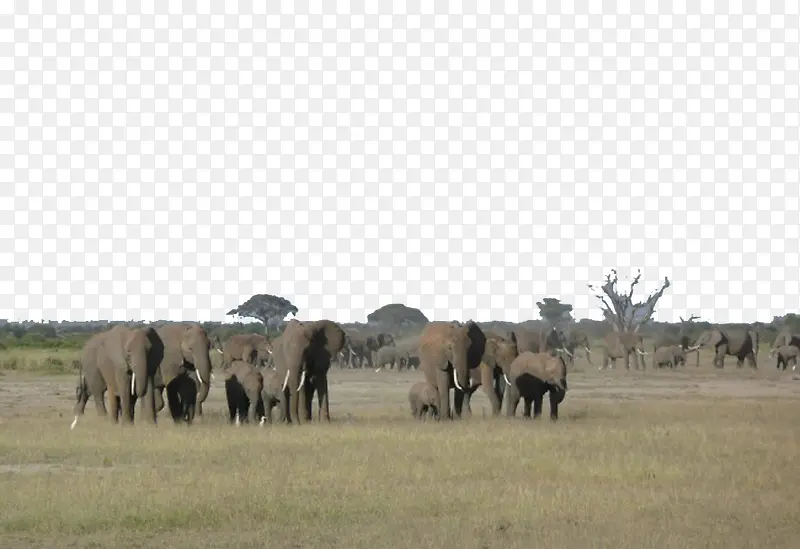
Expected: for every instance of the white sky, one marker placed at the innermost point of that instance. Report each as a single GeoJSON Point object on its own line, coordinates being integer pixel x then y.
{"type": "Point", "coordinates": [456, 164]}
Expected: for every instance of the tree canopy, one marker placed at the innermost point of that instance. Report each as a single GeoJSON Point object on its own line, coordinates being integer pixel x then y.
{"type": "Point", "coordinates": [269, 309]}
{"type": "Point", "coordinates": [554, 312]}
{"type": "Point", "coordinates": [396, 314]}
{"type": "Point", "coordinates": [618, 307]}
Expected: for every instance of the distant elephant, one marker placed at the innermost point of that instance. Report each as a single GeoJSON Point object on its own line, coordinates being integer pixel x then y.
{"type": "Point", "coordinates": [618, 345]}
{"type": "Point", "coordinates": [538, 341]}
{"type": "Point", "coordinates": [186, 349]}
{"type": "Point", "coordinates": [302, 355]}
{"type": "Point", "coordinates": [448, 352]}
{"type": "Point", "coordinates": [254, 348]}
{"type": "Point", "coordinates": [424, 400]}
{"type": "Point", "coordinates": [670, 356]}
{"type": "Point", "coordinates": [377, 341]}
{"type": "Point", "coordinates": [531, 376]}
{"type": "Point", "coordinates": [575, 340]}
{"type": "Point", "coordinates": [243, 386]}
{"type": "Point", "coordinates": [786, 337]}
{"type": "Point", "coordinates": [393, 357]}
{"type": "Point", "coordinates": [736, 342]}
{"type": "Point", "coordinates": [122, 361]}
{"type": "Point", "coordinates": [786, 354]}
{"type": "Point", "coordinates": [272, 396]}
{"type": "Point", "coordinates": [492, 373]}
{"type": "Point", "coordinates": [355, 352]}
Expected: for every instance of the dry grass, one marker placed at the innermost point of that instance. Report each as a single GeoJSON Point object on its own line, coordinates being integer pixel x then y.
{"type": "Point", "coordinates": [40, 361]}
{"type": "Point", "coordinates": [661, 460]}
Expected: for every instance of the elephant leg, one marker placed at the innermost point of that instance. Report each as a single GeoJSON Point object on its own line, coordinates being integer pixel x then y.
{"type": "Point", "coordinates": [458, 402]}
{"type": "Point", "coordinates": [554, 401]}
{"type": "Point", "coordinates": [113, 403]}
{"type": "Point", "coordinates": [232, 404]}
{"type": "Point", "coordinates": [512, 400]}
{"type": "Point", "coordinates": [252, 409]}
{"type": "Point", "coordinates": [466, 410]}
{"type": "Point", "coordinates": [627, 358]}
{"type": "Point", "coordinates": [174, 402]}
{"type": "Point", "coordinates": [148, 406]}
{"type": "Point", "coordinates": [751, 360]}
{"type": "Point", "coordinates": [443, 388]}
{"type": "Point", "coordinates": [526, 409]}
{"type": "Point", "coordinates": [308, 400]}
{"type": "Point", "coordinates": [537, 405]}
{"type": "Point", "coordinates": [322, 399]}
{"type": "Point", "coordinates": [100, 404]}
{"type": "Point", "coordinates": [124, 394]}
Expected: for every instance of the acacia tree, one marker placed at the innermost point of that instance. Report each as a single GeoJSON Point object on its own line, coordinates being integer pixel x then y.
{"type": "Point", "coordinates": [618, 307]}
{"type": "Point", "coordinates": [555, 313]}
{"type": "Point", "coordinates": [269, 309]}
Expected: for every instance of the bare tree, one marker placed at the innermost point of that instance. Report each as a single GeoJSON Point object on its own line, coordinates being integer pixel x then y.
{"type": "Point", "coordinates": [618, 307]}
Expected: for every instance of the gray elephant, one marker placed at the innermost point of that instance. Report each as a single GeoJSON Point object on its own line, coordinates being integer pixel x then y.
{"type": "Point", "coordinates": [302, 355]}
{"type": "Point", "coordinates": [243, 387]}
{"type": "Point", "coordinates": [254, 348]}
{"type": "Point", "coordinates": [531, 376]}
{"type": "Point", "coordinates": [620, 345]}
{"type": "Point", "coordinates": [786, 337]}
{"type": "Point", "coordinates": [536, 341]}
{"type": "Point", "coordinates": [186, 349]}
{"type": "Point", "coordinates": [272, 396]}
{"type": "Point", "coordinates": [786, 354]}
{"type": "Point", "coordinates": [577, 339]}
{"type": "Point", "coordinates": [670, 356]}
{"type": "Point", "coordinates": [122, 361]}
{"type": "Point", "coordinates": [391, 357]}
{"type": "Point", "coordinates": [731, 342]}
{"type": "Point", "coordinates": [424, 400]}
{"type": "Point", "coordinates": [492, 373]}
{"type": "Point", "coordinates": [448, 352]}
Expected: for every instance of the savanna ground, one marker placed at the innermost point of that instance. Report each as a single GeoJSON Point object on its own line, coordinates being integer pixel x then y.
{"type": "Point", "coordinates": [659, 459]}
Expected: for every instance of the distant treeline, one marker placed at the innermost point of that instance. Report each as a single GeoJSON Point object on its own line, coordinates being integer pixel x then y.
{"type": "Point", "coordinates": [72, 335]}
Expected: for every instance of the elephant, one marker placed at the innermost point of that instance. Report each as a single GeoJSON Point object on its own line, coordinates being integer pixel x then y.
{"type": "Point", "coordinates": [577, 339]}
{"type": "Point", "coordinates": [254, 348]}
{"type": "Point", "coordinates": [537, 341]}
{"type": "Point", "coordinates": [618, 345]}
{"type": "Point", "coordinates": [531, 376]}
{"type": "Point", "coordinates": [184, 407]}
{"type": "Point", "coordinates": [302, 355]}
{"type": "Point", "coordinates": [360, 349]}
{"type": "Point", "coordinates": [122, 361]}
{"type": "Point", "coordinates": [736, 342]}
{"type": "Point", "coordinates": [424, 400]}
{"type": "Point", "coordinates": [492, 373]}
{"type": "Point", "coordinates": [671, 356]}
{"type": "Point", "coordinates": [272, 396]}
{"type": "Point", "coordinates": [393, 357]}
{"type": "Point", "coordinates": [786, 354]}
{"type": "Point", "coordinates": [786, 337]}
{"type": "Point", "coordinates": [186, 349]}
{"type": "Point", "coordinates": [448, 352]}
{"type": "Point", "coordinates": [244, 384]}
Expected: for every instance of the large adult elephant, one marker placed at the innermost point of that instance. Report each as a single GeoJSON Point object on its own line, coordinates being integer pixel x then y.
{"type": "Point", "coordinates": [786, 337]}
{"type": "Point", "coordinates": [491, 374]}
{"type": "Point", "coordinates": [186, 349]}
{"type": "Point", "coordinates": [255, 348]}
{"type": "Point", "coordinates": [531, 376]}
{"type": "Point", "coordinates": [122, 361]}
{"type": "Point", "coordinates": [577, 339]}
{"type": "Point", "coordinates": [536, 341]}
{"type": "Point", "coordinates": [736, 342]}
{"type": "Point", "coordinates": [302, 355]}
{"type": "Point", "coordinates": [448, 352]}
{"type": "Point", "coordinates": [618, 345]}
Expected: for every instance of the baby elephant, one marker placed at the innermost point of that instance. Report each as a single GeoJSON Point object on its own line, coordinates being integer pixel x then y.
{"type": "Point", "coordinates": [243, 387]}
{"type": "Point", "coordinates": [531, 375]}
{"type": "Point", "coordinates": [424, 400]}
{"type": "Point", "coordinates": [786, 354]}
{"type": "Point", "coordinates": [671, 355]}
{"type": "Point", "coordinates": [272, 396]}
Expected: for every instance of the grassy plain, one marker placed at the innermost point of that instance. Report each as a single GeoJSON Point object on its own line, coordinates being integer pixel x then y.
{"type": "Point", "coordinates": [696, 457]}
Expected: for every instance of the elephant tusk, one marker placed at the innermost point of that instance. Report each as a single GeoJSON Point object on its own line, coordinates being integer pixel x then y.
{"type": "Point", "coordinates": [238, 421]}
{"type": "Point", "coordinates": [564, 350]}
{"type": "Point", "coordinates": [133, 383]}
{"type": "Point", "coordinates": [285, 381]}
{"type": "Point", "coordinates": [218, 350]}
{"type": "Point", "coordinates": [455, 380]}
{"type": "Point", "coordinates": [74, 422]}
{"type": "Point", "coordinates": [263, 420]}
{"type": "Point", "coordinates": [302, 380]}
{"type": "Point", "coordinates": [589, 351]}
{"type": "Point", "coordinates": [213, 377]}
{"type": "Point", "coordinates": [507, 381]}
{"type": "Point", "coordinates": [199, 377]}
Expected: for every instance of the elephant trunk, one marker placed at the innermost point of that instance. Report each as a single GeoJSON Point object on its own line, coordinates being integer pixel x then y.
{"type": "Point", "coordinates": [461, 377]}
{"type": "Point", "coordinates": [202, 367]}
{"type": "Point", "coordinates": [139, 371]}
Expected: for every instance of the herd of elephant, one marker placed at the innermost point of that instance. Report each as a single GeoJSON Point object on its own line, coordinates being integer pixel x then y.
{"type": "Point", "coordinates": [283, 374]}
